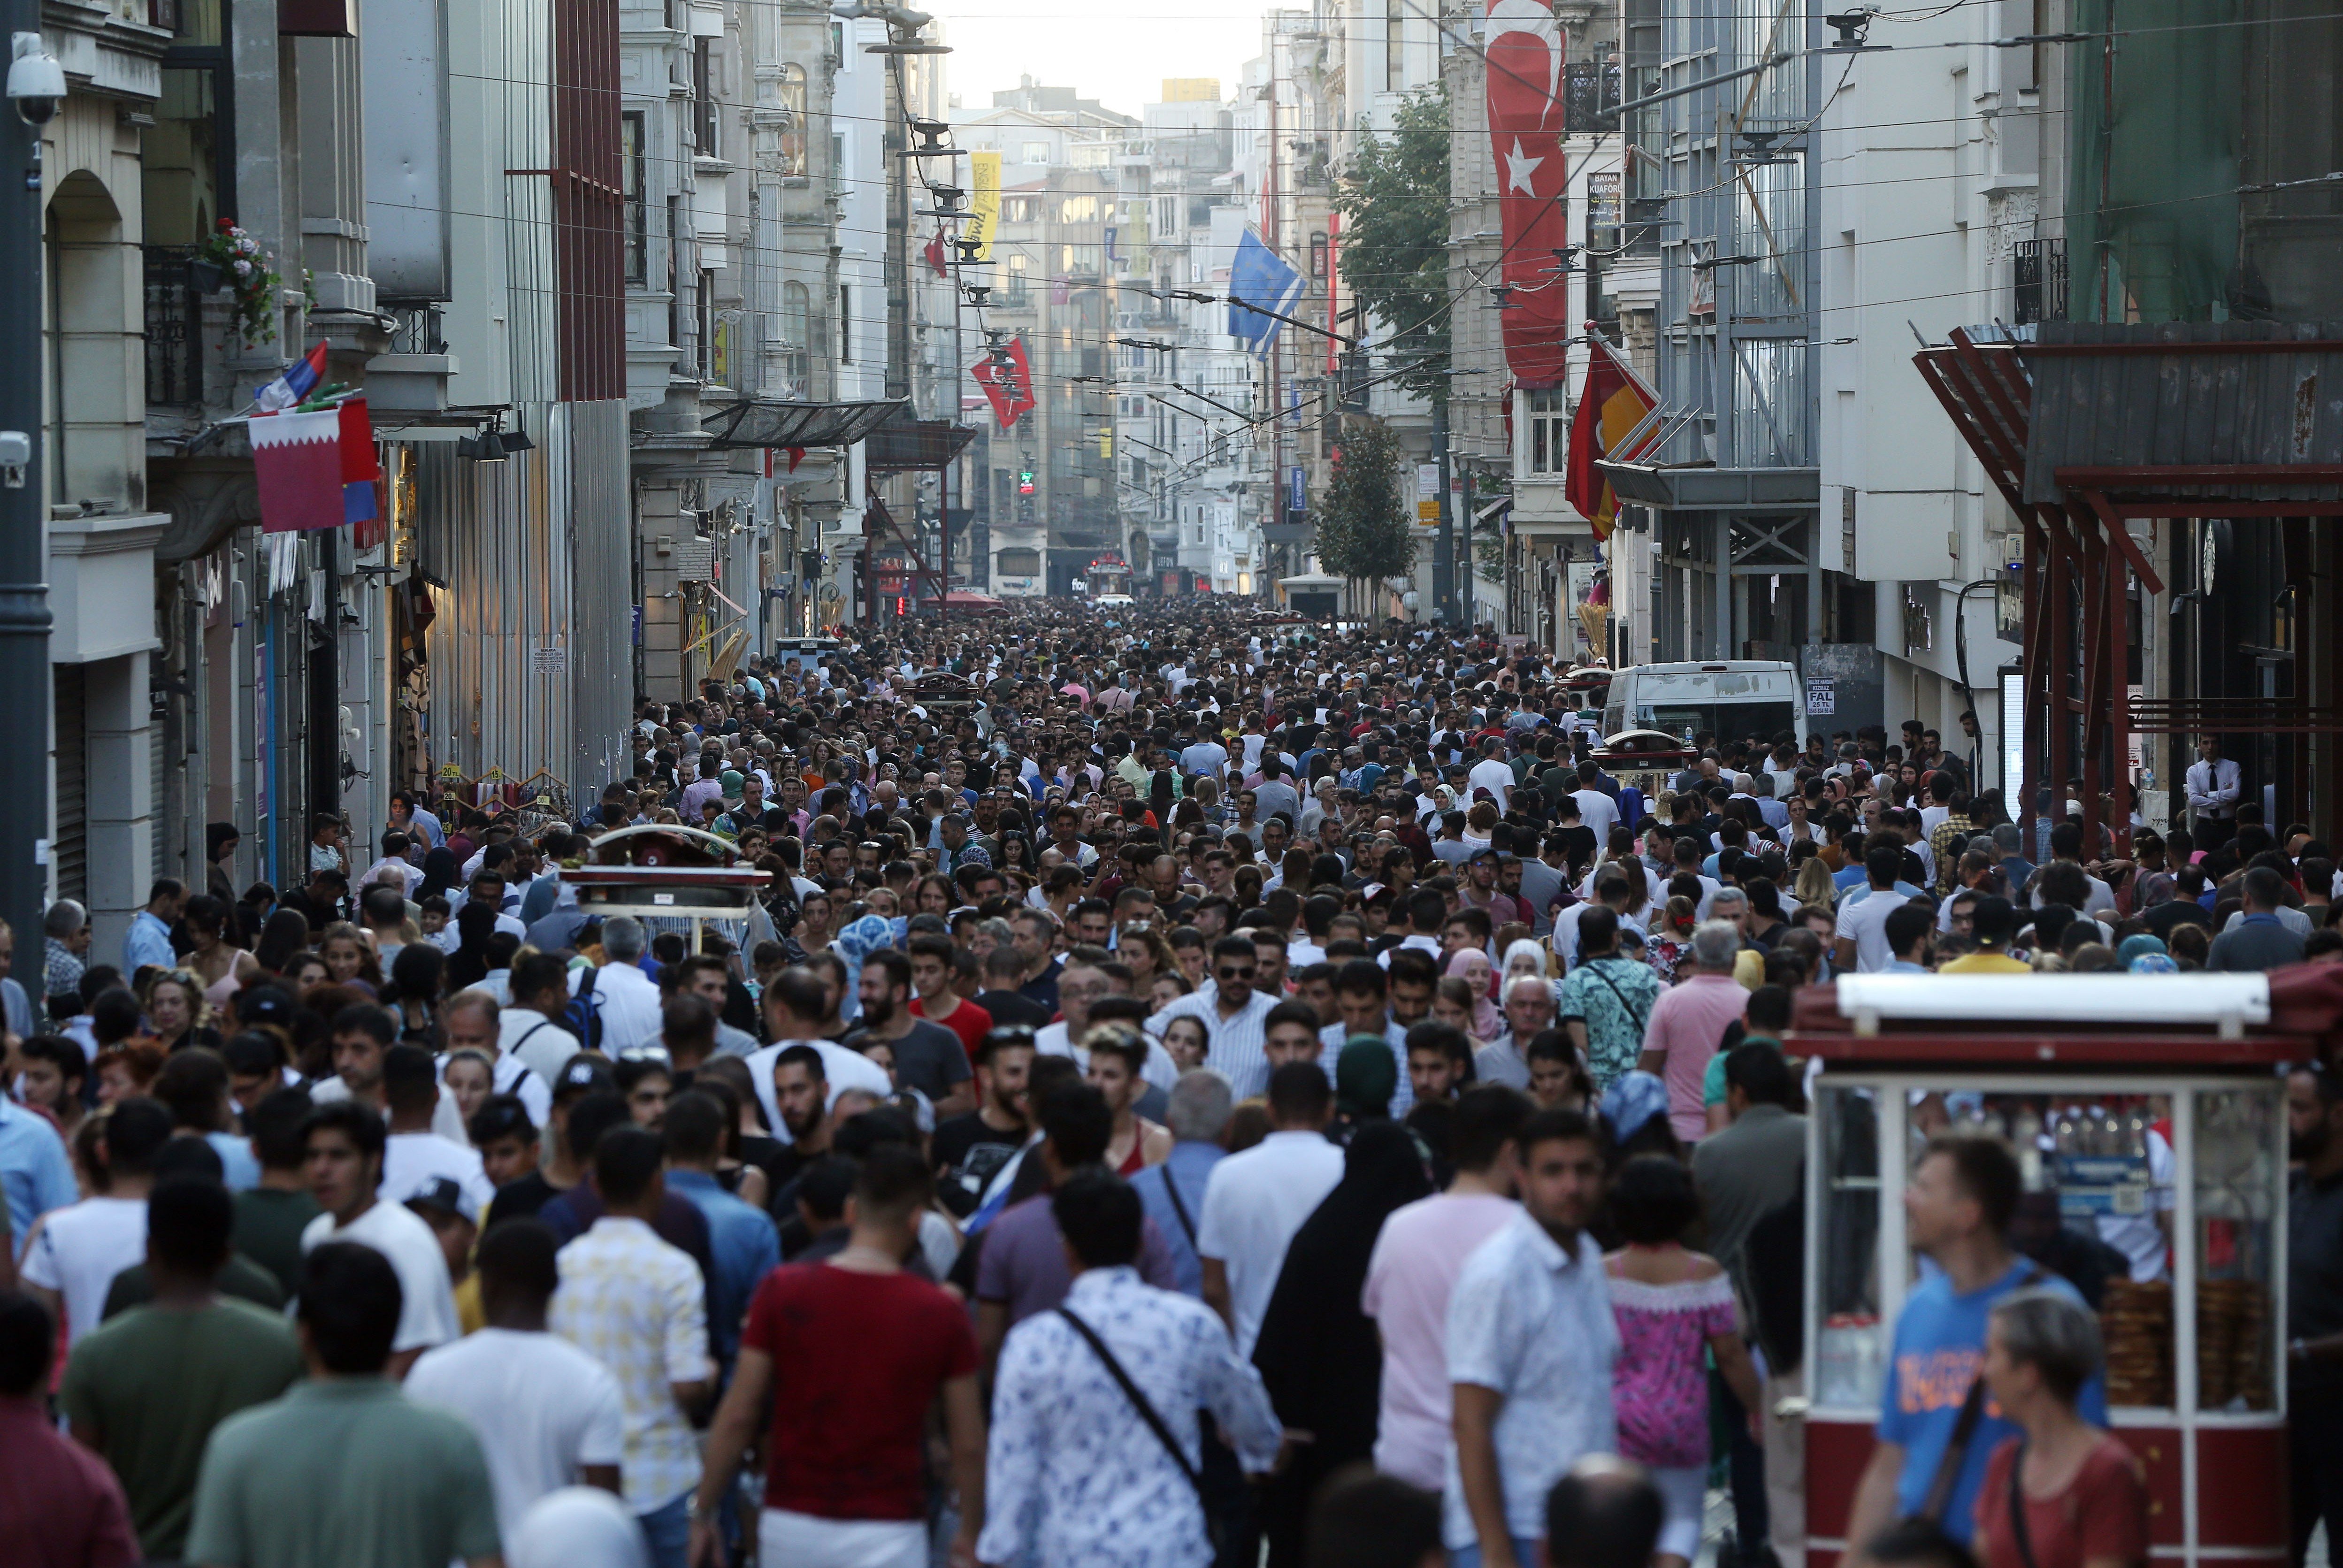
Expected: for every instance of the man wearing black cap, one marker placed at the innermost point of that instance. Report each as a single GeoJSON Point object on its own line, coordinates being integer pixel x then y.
{"type": "Point", "coordinates": [559, 1169]}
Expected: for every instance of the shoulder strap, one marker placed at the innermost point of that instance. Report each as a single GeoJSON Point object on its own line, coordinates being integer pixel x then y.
{"type": "Point", "coordinates": [1956, 1448]}
{"type": "Point", "coordinates": [2017, 1528]}
{"type": "Point", "coordinates": [1179, 1208]}
{"type": "Point", "coordinates": [1138, 1400]}
{"type": "Point", "coordinates": [1595, 968]}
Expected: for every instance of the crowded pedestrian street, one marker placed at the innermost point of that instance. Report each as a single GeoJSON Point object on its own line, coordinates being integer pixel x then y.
{"type": "Point", "coordinates": [1186, 1085]}
{"type": "Point", "coordinates": [1260, 784]}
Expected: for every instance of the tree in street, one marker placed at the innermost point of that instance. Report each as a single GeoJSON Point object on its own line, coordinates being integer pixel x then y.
{"type": "Point", "coordinates": [1363, 532]}
{"type": "Point", "coordinates": [1394, 207]}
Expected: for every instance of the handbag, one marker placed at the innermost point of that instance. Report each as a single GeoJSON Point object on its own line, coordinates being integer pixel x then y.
{"type": "Point", "coordinates": [1155, 1424]}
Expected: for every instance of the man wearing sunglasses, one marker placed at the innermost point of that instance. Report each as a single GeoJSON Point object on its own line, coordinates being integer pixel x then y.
{"type": "Point", "coordinates": [1234, 1016]}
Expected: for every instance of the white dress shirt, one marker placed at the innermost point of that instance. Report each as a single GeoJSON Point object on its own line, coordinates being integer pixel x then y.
{"type": "Point", "coordinates": [1254, 1202]}
{"type": "Point", "coordinates": [2213, 788]}
{"type": "Point", "coordinates": [628, 1000]}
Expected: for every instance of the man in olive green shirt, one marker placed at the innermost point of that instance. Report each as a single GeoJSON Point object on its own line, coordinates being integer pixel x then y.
{"type": "Point", "coordinates": [345, 1470]}
{"type": "Point", "coordinates": [145, 1391]}
{"type": "Point", "coordinates": [270, 1218]}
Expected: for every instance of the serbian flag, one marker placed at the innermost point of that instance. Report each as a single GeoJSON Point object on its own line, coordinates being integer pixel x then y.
{"type": "Point", "coordinates": [1526, 132]}
{"type": "Point", "coordinates": [1007, 381]}
{"type": "Point", "coordinates": [297, 381]}
{"type": "Point", "coordinates": [355, 438]}
{"type": "Point", "coordinates": [1613, 420]}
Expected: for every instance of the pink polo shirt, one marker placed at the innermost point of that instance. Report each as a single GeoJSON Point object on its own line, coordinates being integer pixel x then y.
{"type": "Point", "coordinates": [1418, 1254]}
{"type": "Point", "coordinates": [1687, 1022]}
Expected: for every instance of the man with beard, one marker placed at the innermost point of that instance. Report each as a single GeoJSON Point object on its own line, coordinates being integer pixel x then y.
{"type": "Point", "coordinates": [928, 1056]}
{"type": "Point", "coordinates": [967, 1151]}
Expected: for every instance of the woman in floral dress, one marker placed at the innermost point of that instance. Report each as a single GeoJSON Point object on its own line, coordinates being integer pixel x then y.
{"type": "Point", "coordinates": [1675, 1309]}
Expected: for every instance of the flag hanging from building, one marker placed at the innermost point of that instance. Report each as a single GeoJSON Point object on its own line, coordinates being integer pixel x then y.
{"type": "Point", "coordinates": [1007, 380]}
{"type": "Point", "coordinates": [983, 202]}
{"type": "Point", "coordinates": [359, 472]}
{"type": "Point", "coordinates": [935, 253]}
{"type": "Point", "coordinates": [298, 461]}
{"type": "Point", "coordinates": [1259, 276]}
{"type": "Point", "coordinates": [1526, 133]}
{"type": "Point", "coordinates": [1613, 421]}
{"type": "Point", "coordinates": [297, 381]}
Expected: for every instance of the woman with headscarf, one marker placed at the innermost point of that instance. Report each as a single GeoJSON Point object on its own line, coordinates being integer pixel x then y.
{"type": "Point", "coordinates": [1473, 967]}
{"type": "Point", "coordinates": [1318, 1354]}
{"type": "Point", "coordinates": [2143, 953]}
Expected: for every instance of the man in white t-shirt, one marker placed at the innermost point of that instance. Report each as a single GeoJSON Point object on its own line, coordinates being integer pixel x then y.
{"type": "Point", "coordinates": [1862, 942]}
{"type": "Point", "coordinates": [413, 1153]}
{"type": "Point", "coordinates": [343, 1161]}
{"type": "Point", "coordinates": [1491, 773]}
{"type": "Point", "coordinates": [73, 1253]}
{"type": "Point", "coordinates": [1255, 1200]}
{"type": "Point", "coordinates": [547, 1415]}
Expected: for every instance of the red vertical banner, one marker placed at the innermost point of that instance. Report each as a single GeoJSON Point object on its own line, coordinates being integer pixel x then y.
{"type": "Point", "coordinates": [1525, 136]}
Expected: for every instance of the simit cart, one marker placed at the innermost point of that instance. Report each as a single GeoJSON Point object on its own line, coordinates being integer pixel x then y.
{"type": "Point", "coordinates": [2147, 1115]}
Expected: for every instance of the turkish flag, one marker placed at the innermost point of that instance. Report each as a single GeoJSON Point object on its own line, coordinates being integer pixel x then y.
{"type": "Point", "coordinates": [1526, 132]}
{"type": "Point", "coordinates": [1009, 385]}
{"type": "Point", "coordinates": [935, 253]}
{"type": "Point", "coordinates": [296, 459]}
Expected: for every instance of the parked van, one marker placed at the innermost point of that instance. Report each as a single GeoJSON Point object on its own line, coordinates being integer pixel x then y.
{"type": "Point", "coordinates": [1733, 698]}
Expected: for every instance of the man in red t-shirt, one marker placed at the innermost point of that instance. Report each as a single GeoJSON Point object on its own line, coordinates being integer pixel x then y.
{"type": "Point", "coordinates": [854, 1353]}
{"type": "Point", "coordinates": [935, 1000]}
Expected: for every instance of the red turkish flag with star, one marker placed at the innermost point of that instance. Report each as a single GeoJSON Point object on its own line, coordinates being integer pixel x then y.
{"type": "Point", "coordinates": [1526, 132]}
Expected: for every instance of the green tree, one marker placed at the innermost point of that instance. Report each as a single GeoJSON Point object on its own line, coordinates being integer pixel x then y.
{"type": "Point", "coordinates": [1363, 534]}
{"type": "Point", "coordinates": [1394, 207]}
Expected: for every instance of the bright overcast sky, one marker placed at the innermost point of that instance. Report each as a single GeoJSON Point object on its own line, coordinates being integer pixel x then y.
{"type": "Point", "coordinates": [1116, 51]}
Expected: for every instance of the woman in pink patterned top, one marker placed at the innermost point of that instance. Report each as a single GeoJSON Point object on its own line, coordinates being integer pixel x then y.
{"type": "Point", "coordinates": [1674, 1307]}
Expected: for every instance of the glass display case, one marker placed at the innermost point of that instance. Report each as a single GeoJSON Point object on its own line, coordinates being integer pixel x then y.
{"type": "Point", "coordinates": [2162, 1201]}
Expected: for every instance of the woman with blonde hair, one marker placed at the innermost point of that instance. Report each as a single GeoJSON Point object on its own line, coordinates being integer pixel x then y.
{"type": "Point", "coordinates": [1814, 884]}
{"type": "Point", "coordinates": [175, 1011]}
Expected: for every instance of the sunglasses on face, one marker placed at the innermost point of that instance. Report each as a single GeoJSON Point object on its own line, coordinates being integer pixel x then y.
{"type": "Point", "coordinates": [1232, 971]}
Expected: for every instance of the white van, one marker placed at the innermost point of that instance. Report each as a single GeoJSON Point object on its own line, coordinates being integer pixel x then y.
{"type": "Point", "coordinates": [1734, 700]}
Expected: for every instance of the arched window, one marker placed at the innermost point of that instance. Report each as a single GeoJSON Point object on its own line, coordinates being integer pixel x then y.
{"type": "Point", "coordinates": [792, 95]}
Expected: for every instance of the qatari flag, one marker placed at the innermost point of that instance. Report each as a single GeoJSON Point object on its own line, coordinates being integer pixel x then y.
{"type": "Point", "coordinates": [297, 459]}
{"type": "Point", "coordinates": [1525, 131]}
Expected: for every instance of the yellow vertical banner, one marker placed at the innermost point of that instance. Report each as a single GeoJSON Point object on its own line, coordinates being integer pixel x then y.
{"type": "Point", "coordinates": [984, 202]}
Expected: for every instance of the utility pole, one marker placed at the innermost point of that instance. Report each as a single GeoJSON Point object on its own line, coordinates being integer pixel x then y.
{"type": "Point", "coordinates": [24, 565]}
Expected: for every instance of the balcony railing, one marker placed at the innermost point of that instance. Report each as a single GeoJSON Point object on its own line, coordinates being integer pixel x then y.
{"type": "Point", "coordinates": [176, 282]}
{"type": "Point", "coordinates": [2038, 271]}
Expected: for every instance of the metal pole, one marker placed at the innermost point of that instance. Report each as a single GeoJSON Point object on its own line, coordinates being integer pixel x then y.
{"type": "Point", "coordinates": [24, 565]}
{"type": "Point", "coordinates": [1443, 554]}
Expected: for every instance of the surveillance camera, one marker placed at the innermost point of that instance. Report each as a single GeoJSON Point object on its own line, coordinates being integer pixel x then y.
{"type": "Point", "coordinates": [36, 83]}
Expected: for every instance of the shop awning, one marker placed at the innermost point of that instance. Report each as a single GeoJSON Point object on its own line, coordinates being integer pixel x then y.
{"type": "Point", "coordinates": [766, 422]}
{"type": "Point", "coordinates": [905, 444]}
{"type": "Point", "coordinates": [1704, 488]}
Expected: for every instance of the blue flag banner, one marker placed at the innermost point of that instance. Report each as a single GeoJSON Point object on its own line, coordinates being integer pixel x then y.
{"type": "Point", "coordinates": [1259, 276]}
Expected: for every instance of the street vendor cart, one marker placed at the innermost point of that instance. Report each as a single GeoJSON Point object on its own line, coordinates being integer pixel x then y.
{"type": "Point", "coordinates": [2147, 1113]}
{"type": "Point", "coordinates": [673, 879]}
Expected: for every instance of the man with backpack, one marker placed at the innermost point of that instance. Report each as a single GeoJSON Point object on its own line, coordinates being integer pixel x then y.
{"type": "Point", "coordinates": [627, 1009]}
{"type": "Point", "coordinates": [539, 1028]}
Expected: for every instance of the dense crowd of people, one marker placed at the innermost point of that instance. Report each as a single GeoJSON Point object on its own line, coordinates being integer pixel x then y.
{"type": "Point", "coordinates": [1191, 1088]}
